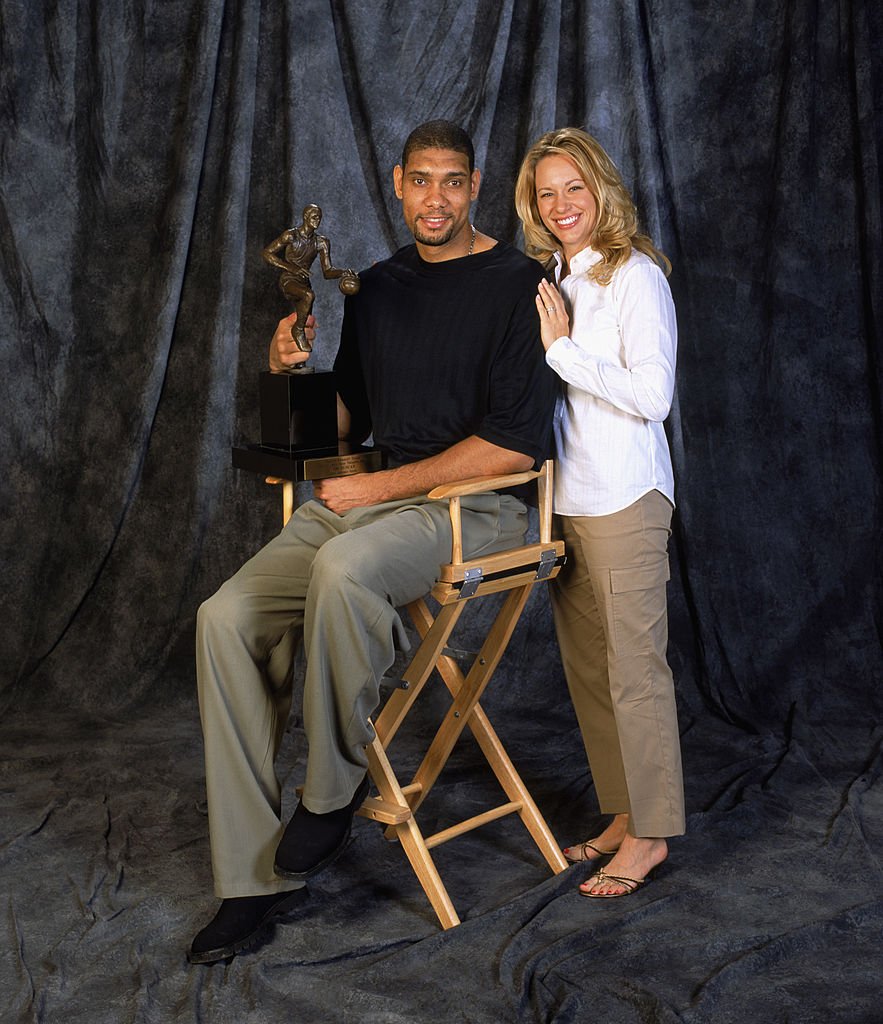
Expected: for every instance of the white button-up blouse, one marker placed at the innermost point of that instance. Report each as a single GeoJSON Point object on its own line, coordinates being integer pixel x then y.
{"type": "Point", "coordinates": [618, 366]}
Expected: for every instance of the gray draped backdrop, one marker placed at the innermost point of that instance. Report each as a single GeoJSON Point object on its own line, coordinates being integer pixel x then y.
{"type": "Point", "coordinates": [148, 151]}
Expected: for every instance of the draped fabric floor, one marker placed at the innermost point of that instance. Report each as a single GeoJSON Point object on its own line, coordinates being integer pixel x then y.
{"type": "Point", "coordinates": [148, 152]}
{"type": "Point", "coordinates": [769, 910]}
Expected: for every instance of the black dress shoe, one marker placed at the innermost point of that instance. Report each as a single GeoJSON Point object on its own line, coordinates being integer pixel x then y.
{"type": "Point", "coordinates": [237, 924]}
{"type": "Point", "coordinates": [311, 841]}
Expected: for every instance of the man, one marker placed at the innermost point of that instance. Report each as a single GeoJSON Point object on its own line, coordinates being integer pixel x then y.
{"type": "Point", "coordinates": [301, 245]}
{"type": "Point", "coordinates": [439, 358]}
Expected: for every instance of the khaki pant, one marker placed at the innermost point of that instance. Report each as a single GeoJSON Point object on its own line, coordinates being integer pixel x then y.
{"type": "Point", "coordinates": [333, 582]}
{"type": "Point", "coordinates": [609, 603]}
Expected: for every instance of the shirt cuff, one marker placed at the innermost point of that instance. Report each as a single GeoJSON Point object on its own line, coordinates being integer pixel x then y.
{"type": "Point", "coordinates": [555, 344]}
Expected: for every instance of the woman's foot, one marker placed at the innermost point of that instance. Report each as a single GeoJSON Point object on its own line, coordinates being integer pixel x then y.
{"type": "Point", "coordinates": [589, 850]}
{"type": "Point", "coordinates": [604, 845]}
{"type": "Point", "coordinates": [634, 861]}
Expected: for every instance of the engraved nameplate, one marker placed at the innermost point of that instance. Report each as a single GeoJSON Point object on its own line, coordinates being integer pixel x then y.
{"type": "Point", "coordinates": [341, 465]}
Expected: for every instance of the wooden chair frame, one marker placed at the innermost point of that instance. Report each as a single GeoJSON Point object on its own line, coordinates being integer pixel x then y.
{"type": "Point", "coordinates": [515, 570]}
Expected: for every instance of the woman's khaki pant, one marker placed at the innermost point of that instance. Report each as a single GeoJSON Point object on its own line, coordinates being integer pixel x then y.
{"type": "Point", "coordinates": [609, 603]}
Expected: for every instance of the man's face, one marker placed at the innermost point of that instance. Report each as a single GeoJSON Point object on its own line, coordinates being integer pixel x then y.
{"type": "Point", "coordinates": [436, 190]}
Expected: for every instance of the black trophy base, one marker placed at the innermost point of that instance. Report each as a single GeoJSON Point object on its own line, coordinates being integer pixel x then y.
{"type": "Point", "coordinates": [298, 410]}
{"type": "Point", "coordinates": [302, 464]}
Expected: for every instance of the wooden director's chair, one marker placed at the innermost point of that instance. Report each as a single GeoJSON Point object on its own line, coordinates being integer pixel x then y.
{"type": "Point", "coordinates": [515, 571]}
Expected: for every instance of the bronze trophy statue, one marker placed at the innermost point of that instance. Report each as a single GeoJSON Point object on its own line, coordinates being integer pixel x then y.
{"type": "Point", "coordinates": [298, 407]}
{"type": "Point", "coordinates": [301, 246]}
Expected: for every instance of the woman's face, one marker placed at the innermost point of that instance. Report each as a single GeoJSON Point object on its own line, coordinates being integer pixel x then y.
{"type": "Point", "coordinates": [567, 207]}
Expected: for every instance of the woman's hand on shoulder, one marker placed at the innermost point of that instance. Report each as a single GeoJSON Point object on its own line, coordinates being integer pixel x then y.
{"type": "Point", "coordinates": [554, 322]}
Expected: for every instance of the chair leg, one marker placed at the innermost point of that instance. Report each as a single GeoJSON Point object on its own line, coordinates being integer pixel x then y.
{"type": "Point", "coordinates": [399, 703]}
{"type": "Point", "coordinates": [395, 807]}
{"type": "Point", "coordinates": [411, 838]}
{"type": "Point", "coordinates": [497, 758]}
{"type": "Point", "coordinates": [515, 789]}
{"type": "Point", "coordinates": [468, 693]}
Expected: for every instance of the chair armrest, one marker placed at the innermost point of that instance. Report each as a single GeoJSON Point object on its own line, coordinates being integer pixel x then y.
{"type": "Point", "coordinates": [479, 484]}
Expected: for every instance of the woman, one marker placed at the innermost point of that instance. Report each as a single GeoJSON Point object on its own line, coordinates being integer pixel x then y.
{"type": "Point", "coordinates": [609, 332]}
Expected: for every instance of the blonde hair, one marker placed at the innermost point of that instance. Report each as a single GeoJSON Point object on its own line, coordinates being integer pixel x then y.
{"type": "Point", "coordinates": [616, 232]}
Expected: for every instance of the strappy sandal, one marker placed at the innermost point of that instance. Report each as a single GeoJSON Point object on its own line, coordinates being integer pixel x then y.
{"type": "Point", "coordinates": [630, 884]}
{"type": "Point", "coordinates": [589, 844]}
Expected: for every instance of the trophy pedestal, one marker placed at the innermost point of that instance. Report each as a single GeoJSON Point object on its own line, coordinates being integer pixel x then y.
{"type": "Point", "coordinates": [299, 432]}
{"type": "Point", "coordinates": [298, 410]}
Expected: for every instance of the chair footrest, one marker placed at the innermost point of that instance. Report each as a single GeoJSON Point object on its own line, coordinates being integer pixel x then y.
{"type": "Point", "coordinates": [470, 823]}
{"type": "Point", "coordinates": [384, 811]}
{"type": "Point", "coordinates": [379, 810]}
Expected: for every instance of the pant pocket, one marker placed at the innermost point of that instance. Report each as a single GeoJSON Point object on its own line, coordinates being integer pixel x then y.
{"type": "Point", "coordinates": [638, 597]}
{"type": "Point", "coordinates": [641, 577]}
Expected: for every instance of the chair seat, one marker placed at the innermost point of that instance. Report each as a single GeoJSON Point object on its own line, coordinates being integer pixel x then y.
{"type": "Point", "coordinates": [500, 571]}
